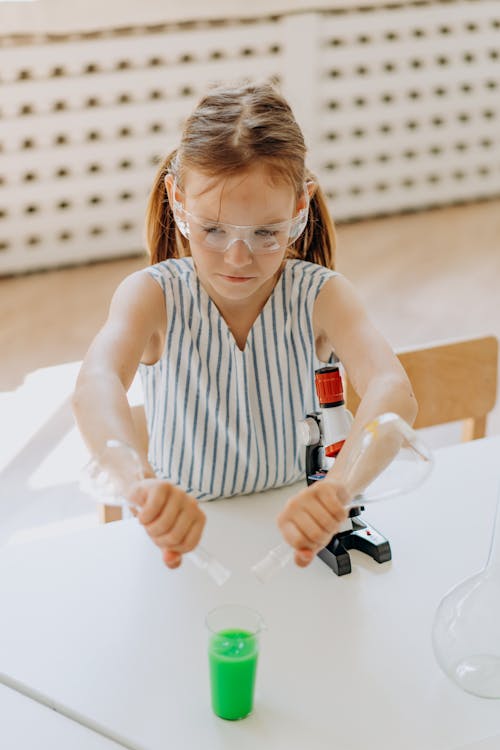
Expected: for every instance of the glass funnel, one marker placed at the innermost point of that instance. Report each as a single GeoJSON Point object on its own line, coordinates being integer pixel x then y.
{"type": "Point", "coordinates": [388, 459]}
{"type": "Point", "coordinates": [107, 479]}
{"type": "Point", "coordinates": [466, 628]}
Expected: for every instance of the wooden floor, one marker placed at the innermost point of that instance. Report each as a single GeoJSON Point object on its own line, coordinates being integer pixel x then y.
{"type": "Point", "coordinates": [426, 276]}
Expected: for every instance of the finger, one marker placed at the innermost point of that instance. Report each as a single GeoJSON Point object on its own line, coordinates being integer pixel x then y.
{"type": "Point", "coordinates": [192, 538]}
{"type": "Point", "coordinates": [171, 508]}
{"type": "Point", "coordinates": [138, 493]}
{"type": "Point", "coordinates": [174, 537]}
{"type": "Point", "coordinates": [303, 557]}
{"type": "Point", "coordinates": [332, 500]}
{"type": "Point", "coordinates": [157, 495]}
{"type": "Point", "coordinates": [321, 515]}
{"type": "Point", "coordinates": [290, 533]}
{"type": "Point", "coordinates": [171, 559]}
{"type": "Point", "coordinates": [313, 535]}
{"type": "Point", "coordinates": [192, 534]}
{"type": "Point", "coordinates": [295, 537]}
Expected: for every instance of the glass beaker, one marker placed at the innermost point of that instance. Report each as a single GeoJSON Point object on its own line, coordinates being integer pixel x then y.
{"type": "Point", "coordinates": [466, 628]}
{"type": "Point", "coordinates": [388, 459]}
{"type": "Point", "coordinates": [233, 650]}
{"type": "Point", "coordinates": [107, 478]}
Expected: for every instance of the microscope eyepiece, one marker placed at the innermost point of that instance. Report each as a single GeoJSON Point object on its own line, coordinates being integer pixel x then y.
{"type": "Point", "coordinates": [329, 387]}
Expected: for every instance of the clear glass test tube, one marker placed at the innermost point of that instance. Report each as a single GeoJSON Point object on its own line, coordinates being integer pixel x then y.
{"type": "Point", "coordinates": [389, 459]}
{"type": "Point", "coordinates": [107, 477]}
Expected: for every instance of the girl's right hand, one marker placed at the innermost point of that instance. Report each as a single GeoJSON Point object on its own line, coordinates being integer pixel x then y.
{"type": "Point", "coordinates": [171, 517]}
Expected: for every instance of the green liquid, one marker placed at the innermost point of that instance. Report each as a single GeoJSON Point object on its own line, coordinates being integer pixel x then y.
{"type": "Point", "coordinates": [232, 656]}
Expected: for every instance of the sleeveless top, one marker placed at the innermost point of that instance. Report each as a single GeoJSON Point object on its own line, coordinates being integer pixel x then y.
{"type": "Point", "coordinates": [222, 421]}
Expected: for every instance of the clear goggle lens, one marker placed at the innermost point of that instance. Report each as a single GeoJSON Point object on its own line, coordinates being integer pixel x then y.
{"type": "Point", "coordinates": [218, 236]}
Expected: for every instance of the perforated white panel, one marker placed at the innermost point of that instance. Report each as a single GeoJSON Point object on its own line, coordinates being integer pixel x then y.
{"type": "Point", "coordinates": [399, 105]}
{"type": "Point", "coordinates": [84, 123]}
{"type": "Point", "coordinates": [409, 107]}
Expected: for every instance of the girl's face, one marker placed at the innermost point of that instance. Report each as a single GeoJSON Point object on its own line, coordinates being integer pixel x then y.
{"type": "Point", "coordinates": [244, 199]}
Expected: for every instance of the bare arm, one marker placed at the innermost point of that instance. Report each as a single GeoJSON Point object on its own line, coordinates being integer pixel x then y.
{"type": "Point", "coordinates": [373, 369]}
{"type": "Point", "coordinates": [133, 332]}
{"type": "Point", "coordinates": [310, 518]}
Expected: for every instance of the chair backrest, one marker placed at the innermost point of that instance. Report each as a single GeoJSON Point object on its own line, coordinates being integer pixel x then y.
{"type": "Point", "coordinates": [452, 381]}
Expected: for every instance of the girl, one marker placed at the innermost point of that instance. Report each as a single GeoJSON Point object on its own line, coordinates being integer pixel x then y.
{"type": "Point", "coordinates": [227, 326]}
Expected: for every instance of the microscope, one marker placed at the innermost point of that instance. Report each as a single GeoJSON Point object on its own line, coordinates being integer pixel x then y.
{"type": "Point", "coordinates": [324, 433]}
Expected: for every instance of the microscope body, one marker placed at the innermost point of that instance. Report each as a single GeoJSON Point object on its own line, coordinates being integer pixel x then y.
{"type": "Point", "coordinates": [324, 433]}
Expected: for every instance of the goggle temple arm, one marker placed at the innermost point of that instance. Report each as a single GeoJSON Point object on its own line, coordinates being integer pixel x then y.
{"type": "Point", "coordinates": [179, 213]}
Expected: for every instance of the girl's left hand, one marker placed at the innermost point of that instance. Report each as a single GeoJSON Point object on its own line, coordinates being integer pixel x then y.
{"type": "Point", "coordinates": [310, 519]}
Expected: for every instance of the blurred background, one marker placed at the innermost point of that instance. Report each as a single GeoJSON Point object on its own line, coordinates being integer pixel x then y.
{"type": "Point", "coordinates": [400, 107]}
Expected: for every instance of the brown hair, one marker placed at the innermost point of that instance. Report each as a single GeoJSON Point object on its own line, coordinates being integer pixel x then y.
{"type": "Point", "coordinates": [231, 129]}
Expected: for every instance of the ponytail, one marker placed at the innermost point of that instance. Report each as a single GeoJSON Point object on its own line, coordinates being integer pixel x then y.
{"type": "Point", "coordinates": [317, 243]}
{"type": "Point", "coordinates": [163, 239]}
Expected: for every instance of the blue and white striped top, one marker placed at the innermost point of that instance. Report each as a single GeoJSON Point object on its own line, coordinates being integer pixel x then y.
{"type": "Point", "coordinates": [222, 421]}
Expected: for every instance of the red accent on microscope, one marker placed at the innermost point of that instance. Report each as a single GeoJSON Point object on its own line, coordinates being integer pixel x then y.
{"type": "Point", "coordinates": [324, 433]}
{"type": "Point", "coordinates": [331, 400]}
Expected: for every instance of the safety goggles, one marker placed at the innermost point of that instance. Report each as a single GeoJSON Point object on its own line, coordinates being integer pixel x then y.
{"type": "Point", "coordinates": [219, 236]}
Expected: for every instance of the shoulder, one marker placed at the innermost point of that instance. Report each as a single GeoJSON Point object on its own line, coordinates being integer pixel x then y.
{"type": "Point", "coordinates": [148, 287]}
{"type": "Point", "coordinates": [337, 291]}
{"type": "Point", "coordinates": [138, 313]}
{"type": "Point", "coordinates": [305, 269]}
{"type": "Point", "coordinates": [338, 304]}
{"type": "Point", "coordinates": [168, 270]}
{"type": "Point", "coordinates": [137, 298]}
{"type": "Point", "coordinates": [134, 286]}
{"type": "Point", "coordinates": [307, 276]}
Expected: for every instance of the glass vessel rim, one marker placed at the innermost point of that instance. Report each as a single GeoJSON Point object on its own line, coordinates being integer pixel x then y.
{"type": "Point", "coordinates": [245, 611]}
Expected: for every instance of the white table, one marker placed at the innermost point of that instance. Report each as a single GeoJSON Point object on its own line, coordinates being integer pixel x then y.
{"type": "Point", "coordinates": [26, 724]}
{"type": "Point", "coordinates": [96, 623]}
{"type": "Point", "coordinates": [489, 743]}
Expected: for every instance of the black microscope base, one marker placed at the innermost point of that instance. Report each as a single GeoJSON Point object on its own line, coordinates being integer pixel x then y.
{"type": "Point", "coordinates": [362, 537]}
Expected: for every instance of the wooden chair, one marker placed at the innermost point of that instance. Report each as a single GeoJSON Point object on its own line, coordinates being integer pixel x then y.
{"type": "Point", "coordinates": [452, 381]}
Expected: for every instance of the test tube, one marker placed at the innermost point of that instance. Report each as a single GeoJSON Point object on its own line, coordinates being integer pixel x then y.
{"type": "Point", "coordinates": [107, 477]}
{"type": "Point", "coordinates": [387, 441]}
